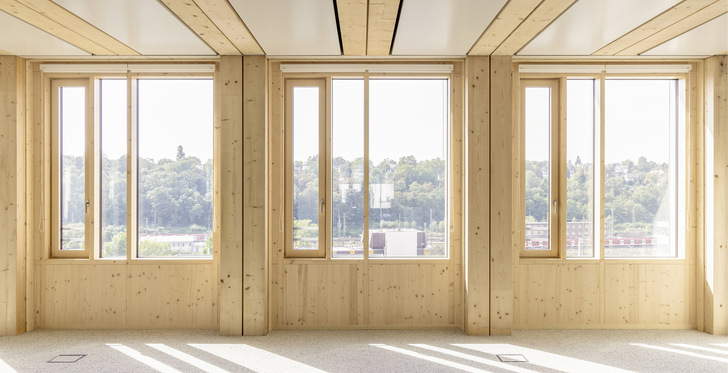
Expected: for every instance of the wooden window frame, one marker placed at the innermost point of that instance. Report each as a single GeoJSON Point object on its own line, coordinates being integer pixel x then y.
{"type": "Point", "coordinates": [325, 147]}
{"type": "Point", "coordinates": [557, 249]}
{"type": "Point", "coordinates": [92, 240]}
{"type": "Point", "coordinates": [89, 182]}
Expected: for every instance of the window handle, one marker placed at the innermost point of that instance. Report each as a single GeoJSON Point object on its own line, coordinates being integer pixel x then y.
{"type": "Point", "coordinates": [87, 204]}
{"type": "Point", "coordinates": [556, 207]}
{"type": "Point", "coordinates": [321, 210]}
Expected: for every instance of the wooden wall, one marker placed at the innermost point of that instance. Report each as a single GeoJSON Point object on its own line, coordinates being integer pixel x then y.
{"type": "Point", "coordinates": [715, 286]}
{"type": "Point", "coordinates": [316, 293]}
{"type": "Point", "coordinates": [12, 196]}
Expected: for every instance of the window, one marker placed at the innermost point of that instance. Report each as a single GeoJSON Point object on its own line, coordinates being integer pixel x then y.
{"type": "Point", "coordinates": [147, 184]}
{"type": "Point", "coordinates": [639, 188]}
{"type": "Point", "coordinates": [367, 167]}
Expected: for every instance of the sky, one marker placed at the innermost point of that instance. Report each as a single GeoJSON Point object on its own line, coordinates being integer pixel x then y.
{"type": "Point", "coordinates": [637, 120]}
{"type": "Point", "coordinates": [406, 117]}
{"type": "Point", "coordinates": [171, 113]}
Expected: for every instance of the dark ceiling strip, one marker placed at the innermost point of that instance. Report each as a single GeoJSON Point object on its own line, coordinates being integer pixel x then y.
{"type": "Point", "coordinates": [338, 28]}
{"type": "Point", "coordinates": [396, 26]}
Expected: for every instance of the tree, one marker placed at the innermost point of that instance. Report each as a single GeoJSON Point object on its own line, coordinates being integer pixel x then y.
{"type": "Point", "coordinates": [180, 153]}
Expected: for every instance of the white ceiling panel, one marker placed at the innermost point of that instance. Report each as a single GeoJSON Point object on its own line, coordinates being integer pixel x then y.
{"type": "Point", "coordinates": [591, 24]}
{"type": "Point", "coordinates": [144, 25]}
{"type": "Point", "coordinates": [708, 39]}
{"type": "Point", "coordinates": [291, 27]}
{"type": "Point", "coordinates": [22, 39]}
{"type": "Point", "coordinates": [442, 28]}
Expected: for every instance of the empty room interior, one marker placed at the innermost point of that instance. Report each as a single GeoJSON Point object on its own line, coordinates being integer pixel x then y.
{"type": "Point", "coordinates": [364, 185]}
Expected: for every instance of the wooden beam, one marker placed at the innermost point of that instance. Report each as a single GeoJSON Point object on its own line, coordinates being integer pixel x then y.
{"type": "Point", "coordinates": [477, 205]}
{"type": "Point", "coordinates": [231, 195]}
{"type": "Point", "coordinates": [224, 16]}
{"type": "Point", "coordinates": [51, 26]}
{"type": "Point", "coordinates": [507, 20]}
{"type": "Point", "coordinates": [191, 14]}
{"type": "Point", "coordinates": [12, 196]}
{"type": "Point", "coordinates": [536, 22]}
{"type": "Point", "coordinates": [353, 26]}
{"type": "Point", "coordinates": [716, 197]}
{"type": "Point", "coordinates": [73, 22]}
{"type": "Point", "coordinates": [4, 53]}
{"type": "Point", "coordinates": [688, 23]}
{"type": "Point", "coordinates": [502, 175]}
{"type": "Point", "coordinates": [656, 24]}
{"type": "Point", "coordinates": [381, 23]}
{"type": "Point", "coordinates": [255, 245]}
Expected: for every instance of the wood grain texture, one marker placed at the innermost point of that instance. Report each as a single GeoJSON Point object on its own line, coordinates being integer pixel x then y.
{"type": "Point", "coordinates": [54, 26]}
{"type": "Point", "coordinates": [656, 24]}
{"type": "Point", "coordinates": [191, 14]}
{"type": "Point", "coordinates": [353, 26]}
{"type": "Point", "coordinates": [502, 173]}
{"type": "Point", "coordinates": [537, 21]}
{"type": "Point", "coordinates": [380, 27]}
{"type": "Point", "coordinates": [457, 196]}
{"type": "Point", "coordinates": [686, 24]}
{"type": "Point", "coordinates": [73, 22]}
{"type": "Point", "coordinates": [477, 202]}
{"type": "Point", "coordinates": [231, 195]}
{"type": "Point", "coordinates": [255, 248]}
{"type": "Point", "coordinates": [716, 179]}
{"type": "Point", "coordinates": [12, 196]}
{"type": "Point", "coordinates": [227, 20]}
{"type": "Point", "coordinates": [508, 19]}
{"type": "Point", "coordinates": [275, 188]}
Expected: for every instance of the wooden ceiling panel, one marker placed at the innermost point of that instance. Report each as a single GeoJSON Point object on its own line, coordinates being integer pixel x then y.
{"type": "Point", "coordinates": [53, 27]}
{"type": "Point", "coordinates": [23, 39]}
{"type": "Point", "coordinates": [512, 15]}
{"type": "Point", "coordinates": [698, 18]}
{"type": "Point", "coordinates": [708, 39]}
{"type": "Point", "coordinates": [442, 28]}
{"type": "Point", "coordinates": [353, 26]}
{"type": "Point", "coordinates": [291, 27]}
{"type": "Point", "coordinates": [536, 22]}
{"type": "Point", "coordinates": [656, 24]}
{"type": "Point", "coordinates": [146, 26]}
{"type": "Point", "coordinates": [598, 23]}
{"type": "Point", "coordinates": [191, 14]}
{"type": "Point", "coordinates": [227, 20]}
{"type": "Point", "coordinates": [380, 30]}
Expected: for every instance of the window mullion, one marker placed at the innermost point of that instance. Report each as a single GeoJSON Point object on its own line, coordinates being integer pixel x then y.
{"type": "Point", "coordinates": [132, 165]}
{"type": "Point", "coordinates": [365, 188]}
{"type": "Point", "coordinates": [600, 151]}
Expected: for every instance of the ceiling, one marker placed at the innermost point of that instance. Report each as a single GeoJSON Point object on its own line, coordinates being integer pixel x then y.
{"type": "Point", "coordinates": [398, 28]}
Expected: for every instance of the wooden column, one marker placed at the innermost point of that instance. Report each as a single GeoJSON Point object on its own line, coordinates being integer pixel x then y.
{"type": "Point", "coordinates": [502, 171]}
{"type": "Point", "coordinates": [716, 195]}
{"type": "Point", "coordinates": [255, 253]}
{"type": "Point", "coordinates": [477, 204]}
{"type": "Point", "coordinates": [230, 89]}
{"type": "Point", "coordinates": [12, 196]}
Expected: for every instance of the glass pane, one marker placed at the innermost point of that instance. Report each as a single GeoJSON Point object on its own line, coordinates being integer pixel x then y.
{"type": "Point", "coordinates": [408, 136]}
{"type": "Point", "coordinates": [580, 119]}
{"type": "Point", "coordinates": [347, 179]}
{"type": "Point", "coordinates": [639, 204]}
{"type": "Point", "coordinates": [113, 168]}
{"type": "Point", "coordinates": [538, 166]}
{"type": "Point", "coordinates": [305, 168]}
{"type": "Point", "coordinates": [72, 102]}
{"type": "Point", "coordinates": [175, 167]}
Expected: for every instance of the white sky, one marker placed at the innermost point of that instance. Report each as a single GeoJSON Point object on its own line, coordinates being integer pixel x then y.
{"type": "Point", "coordinates": [637, 120]}
{"type": "Point", "coordinates": [171, 113]}
{"type": "Point", "coordinates": [406, 117]}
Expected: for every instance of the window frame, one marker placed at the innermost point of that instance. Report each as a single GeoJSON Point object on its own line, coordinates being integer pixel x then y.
{"type": "Point", "coordinates": [325, 252]}
{"type": "Point", "coordinates": [678, 161]}
{"type": "Point", "coordinates": [93, 226]}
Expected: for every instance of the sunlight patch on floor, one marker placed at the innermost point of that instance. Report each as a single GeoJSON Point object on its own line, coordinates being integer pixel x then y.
{"type": "Point", "coordinates": [476, 359]}
{"type": "Point", "coordinates": [255, 359]}
{"type": "Point", "coordinates": [541, 358]}
{"type": "Point", "coordinates": [681, 352]}
{"type": "Point", "coordinates": [187, 358]}
{"type": "Point", "coordinates": [700, 348]}
{"type": "Point", "coordinates": [431, 359]}
{"type": "Point", "coordinates": [138, 356]}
